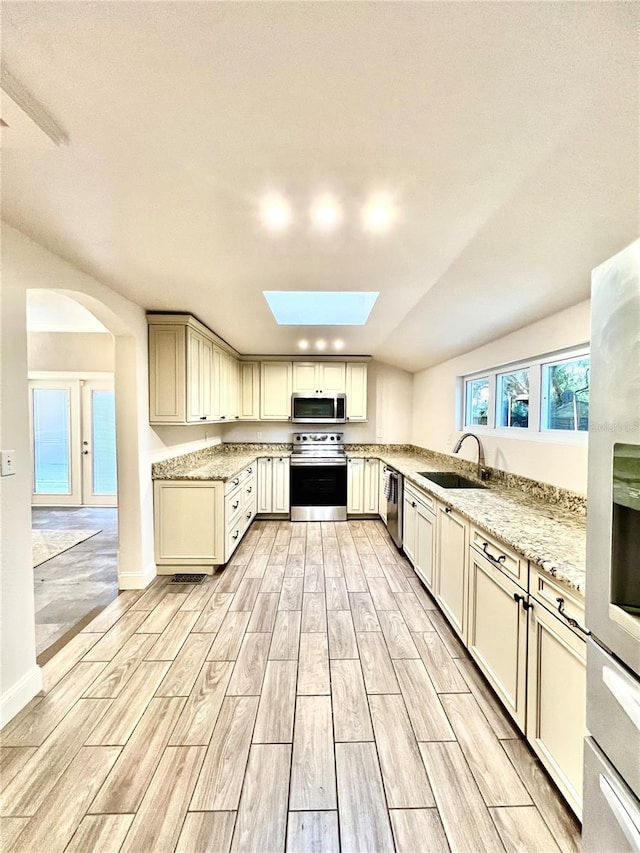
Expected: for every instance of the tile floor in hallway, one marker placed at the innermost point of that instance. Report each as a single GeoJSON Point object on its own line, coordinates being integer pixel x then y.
{"type": "Point", "coordinates": [309, 697]}
{"type": "Point", "coordinates": [72, 584]}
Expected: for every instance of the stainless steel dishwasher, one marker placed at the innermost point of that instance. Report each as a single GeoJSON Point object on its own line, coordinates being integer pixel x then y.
{"type": "Point", "coordinates": [394, 491]}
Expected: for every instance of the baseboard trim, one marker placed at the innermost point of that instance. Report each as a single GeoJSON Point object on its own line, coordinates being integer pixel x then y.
{"type": "Point", "coordinates": [20, 694]}
{"type": "Point", "coordinates": [137, 580]}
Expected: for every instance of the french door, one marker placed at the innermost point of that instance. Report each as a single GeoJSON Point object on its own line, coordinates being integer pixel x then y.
{"type": "Point", "coordinates": [73, 442]}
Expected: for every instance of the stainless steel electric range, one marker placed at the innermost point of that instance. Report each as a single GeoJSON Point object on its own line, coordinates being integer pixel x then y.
{"type": "Point", "coordinates": [318, 477]}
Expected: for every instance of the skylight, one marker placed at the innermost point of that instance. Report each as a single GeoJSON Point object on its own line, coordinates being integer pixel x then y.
{"type": "Point", "coordinates": [320, 307]}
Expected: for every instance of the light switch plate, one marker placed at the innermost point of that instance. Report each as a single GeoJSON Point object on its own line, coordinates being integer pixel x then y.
{"type": "Point", "coordinates": [8, 463]}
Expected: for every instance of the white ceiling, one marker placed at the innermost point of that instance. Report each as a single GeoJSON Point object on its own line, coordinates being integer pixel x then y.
{"type": "Point", "coordinates": [507, 132]}
{"type": "Point", "coordinates": [50, 311]}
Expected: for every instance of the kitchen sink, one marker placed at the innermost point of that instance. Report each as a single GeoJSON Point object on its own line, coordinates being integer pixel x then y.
{"type": "Point", "coordinates": [448, 480]}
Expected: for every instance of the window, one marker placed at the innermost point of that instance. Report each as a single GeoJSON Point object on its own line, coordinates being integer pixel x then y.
{"type": "Point", "coordinates": [565, 395]}
{"type": "Point", "coordinates": [545, 398]}
{"type": "Point", "coordinates": [512, 396]}
{"type": "Point", "coordinates": [477, 402]}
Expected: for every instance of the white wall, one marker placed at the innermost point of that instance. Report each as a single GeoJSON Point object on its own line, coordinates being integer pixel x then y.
{"type": "Point", "coordinates": [389, 401]}
{"type": "Point", "coordinates": [434, 400]}
{"type": "Point", "coordinates": [73, 352]}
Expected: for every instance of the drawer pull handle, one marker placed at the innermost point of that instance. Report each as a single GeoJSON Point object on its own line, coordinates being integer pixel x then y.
{"type": "Point", "coordinates": [249, 490]}
{"type": "Point", "coordinates": [236, 505]}
{"type": "Point", "coordinates": [526, 605]}
{"type": "Point", "coordinates": [498, 560]}
{"type": "Point", "coordinates": [236, 534]}
{"type": "Point", "coordinates": [570, 620]}
{"type": "Point", "coordinates": [236, 482]}
{"type": "Point", "coordinates": [414, 504]}
{"type": "Point", "coordinates": [447, 509]}
{"type": "Point", "coordinates": [248, 515]}
{"type": "Point", "coordinates": [249, 470]}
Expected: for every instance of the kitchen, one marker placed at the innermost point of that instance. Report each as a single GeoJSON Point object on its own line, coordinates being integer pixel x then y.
{"type": "Point", "coordinates": [482, 324]}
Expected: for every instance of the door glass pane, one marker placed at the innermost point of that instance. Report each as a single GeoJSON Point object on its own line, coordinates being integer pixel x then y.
{"type": "Point", "coordinates": [52, 472]}
{"type": "Point", "coordinates": [103, 427]}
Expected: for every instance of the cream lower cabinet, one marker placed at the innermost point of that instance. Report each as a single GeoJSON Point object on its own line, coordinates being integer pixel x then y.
{"type": "Point", "coordinates": [556, 700]}
{"type": "Point", "coordinates": [273, 485]}
{"type": "Point", "coordinates": [362, 486]}
{"type": "Point", "coordinates": [451, 576]}
{"type": "Point", "coordinates": [382, 498]}
{"type": "Point", "coordinates": [199, 523]}
{"type": "Point", "coordinates": [419, 529]}
{"type": "Point", "coordinates": [189, 525]}
{"type": "Point", "coordinates": [497, 632]}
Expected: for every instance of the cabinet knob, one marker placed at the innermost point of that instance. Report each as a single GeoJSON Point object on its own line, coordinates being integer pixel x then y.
{"type": "Point", "coordinates": [447, 509]}
{"type": "Point", "coordinates": [414, 504]}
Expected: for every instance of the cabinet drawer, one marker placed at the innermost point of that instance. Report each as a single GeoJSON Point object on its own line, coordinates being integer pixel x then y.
{"type": "Point", "coordinates": [249, 491]}
{"type": "Point", "coordinates": [419, 497]}
{"type": "Point", "coordinates": [233, 502]}
{"type": "Point", "coordinates": [548, 592]}
{"type": "Point", "coordinates": [501, 555]}
{"type": "Point", "coordinates": [238, 479]}
{"type": "Point", "coordinates": [234, 535]}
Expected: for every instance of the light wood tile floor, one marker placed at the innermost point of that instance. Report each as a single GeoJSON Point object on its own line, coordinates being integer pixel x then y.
{"type": "Point", "coordinates": [308, 697]}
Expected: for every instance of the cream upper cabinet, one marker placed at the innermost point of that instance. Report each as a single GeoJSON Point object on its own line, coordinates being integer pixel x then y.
{"type": "Point", "coordinates": [314, 377]}
{"type": "Point", "coordinates": [249, 391]}
{"type": "Point", "coordinates": [275, 390]}
{"type": "Point", "coordinates": [452, 567]}
{"type": "Point", "coordinates": [229, 388]}
{"type": "Point", "coordinates": [167, 374]}
{"type": "Point", "coordinates": [356, 390]}
{"type": "Point", "coordinates": [199, 377]}
{"type": "Point", "coordinates": [498, 632]}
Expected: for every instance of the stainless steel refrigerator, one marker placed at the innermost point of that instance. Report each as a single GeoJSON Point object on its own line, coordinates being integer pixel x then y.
{"type": "Point", "coordinates": [611, 812]}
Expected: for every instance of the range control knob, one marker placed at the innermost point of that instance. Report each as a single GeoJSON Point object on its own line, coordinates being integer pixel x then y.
{"type": "Point", "coordinates": [304, 437]}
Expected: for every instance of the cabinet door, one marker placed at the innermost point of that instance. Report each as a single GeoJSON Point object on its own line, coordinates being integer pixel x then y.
{"type": "Point", "coordinates": [217, 383]}
{"type": "Point", "coordinates": [275, 390]}
{"type": "Point", "coordinates": [189, 522]}
{"type": "Point", "coordinates": [305, 377]}
{"type": "Point", "coordinates": [382, 499]}
{"type": "Point", "coordinates": [425, 544]}
{"type": "Point", "coordinates": [265, 484]}
{"type": "Point", "coordinates": [356, 389]}
{"type": "Point", "coordinates": [370, 497]}
{"type": "Point", "coordinates": [451, 576]}
{"type": "Point", "coordinates": [498, 632]}
{"type": "Point", "coordinates": [556, 703]}
{"type": "Point", "coordinates": [280, 491]}
{"type": "Point", "coordinates": [249, 391]}
{"type": "Point", "coordinates": [194, 381]}
{"type": "Point", "coordinates": [409, 507]}
{"type": "Point", "coordinates": [355, 486]}
{"type": "Point", "coordinates": [229, 387]}
{"type": "Point", "coordinates": [331, 377]}
{"type": "Point", "coordinates": [167, 374]}
{"type": "Point", "coordinates": [206, 379]}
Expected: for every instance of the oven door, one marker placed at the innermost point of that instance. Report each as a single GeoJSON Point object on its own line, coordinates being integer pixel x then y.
{"type": "Point", "coordinates": [318, 490]}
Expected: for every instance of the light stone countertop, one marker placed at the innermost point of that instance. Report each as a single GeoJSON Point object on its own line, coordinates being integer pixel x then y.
{"type": "Point", "coordinates": [548, 534]}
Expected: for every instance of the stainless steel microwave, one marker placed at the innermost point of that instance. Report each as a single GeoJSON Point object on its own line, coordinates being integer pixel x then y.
{"type": "Point", "coordinates": [320, 408]}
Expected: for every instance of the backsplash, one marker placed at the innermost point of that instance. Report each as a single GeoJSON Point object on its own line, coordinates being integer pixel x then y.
{"type": "Point", "coordinates": [545, 492]}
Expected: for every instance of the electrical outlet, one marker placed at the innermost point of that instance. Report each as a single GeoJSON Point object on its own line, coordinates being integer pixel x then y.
{"type": "Point", "coordinates": [258, 435]}
{"type": "Point", "coordinates": [8, 463]}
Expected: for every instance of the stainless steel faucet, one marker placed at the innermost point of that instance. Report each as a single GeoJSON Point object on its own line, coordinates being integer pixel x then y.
{"type": "Point", "coordinates": [483, 473]}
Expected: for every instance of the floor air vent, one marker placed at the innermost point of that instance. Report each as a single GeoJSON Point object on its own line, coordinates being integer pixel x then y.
{"type": "Point", "coordinates": [188, 578]}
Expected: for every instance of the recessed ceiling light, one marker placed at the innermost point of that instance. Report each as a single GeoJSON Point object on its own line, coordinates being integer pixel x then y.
{"type": "Point", "coordinates": [338, 344]}
{"type": "Point", "coordinates": [321, 344]}
{"type": "Point", "coordinates": [275, 213]}
{"type": "Point", "coordinates": [326, 213]}
{"type": "Point", "coordinates": [378, 215]}
{"type": "Point", "coordinates": [303, 344]}
{"type": "Point", "coordinates": [321, 307]}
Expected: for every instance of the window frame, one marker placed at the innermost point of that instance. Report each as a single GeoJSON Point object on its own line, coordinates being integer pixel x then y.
{"type": "Point", "coordinates": [534, 431]}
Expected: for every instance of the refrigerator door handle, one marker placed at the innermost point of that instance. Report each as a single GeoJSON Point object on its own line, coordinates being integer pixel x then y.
{"type": "Point", "coordinates": [622, 816]}
{"type": "Point", "coordinates": [629, 703]}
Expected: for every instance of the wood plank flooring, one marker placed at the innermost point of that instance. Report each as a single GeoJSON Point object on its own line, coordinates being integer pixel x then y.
{"type": "Point", "coordinates": [308, 697]}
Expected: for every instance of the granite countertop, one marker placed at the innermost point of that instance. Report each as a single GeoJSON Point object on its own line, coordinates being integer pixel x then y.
{"type": "Point", "coordinates": [548, 531]}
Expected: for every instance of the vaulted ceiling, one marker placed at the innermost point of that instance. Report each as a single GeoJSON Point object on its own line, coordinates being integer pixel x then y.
{"type": "Point", "coordinates": [507, 133]}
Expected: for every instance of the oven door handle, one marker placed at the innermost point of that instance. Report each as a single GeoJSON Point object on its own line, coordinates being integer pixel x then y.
{"type": "Point", "coordinates": [311, 463]}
